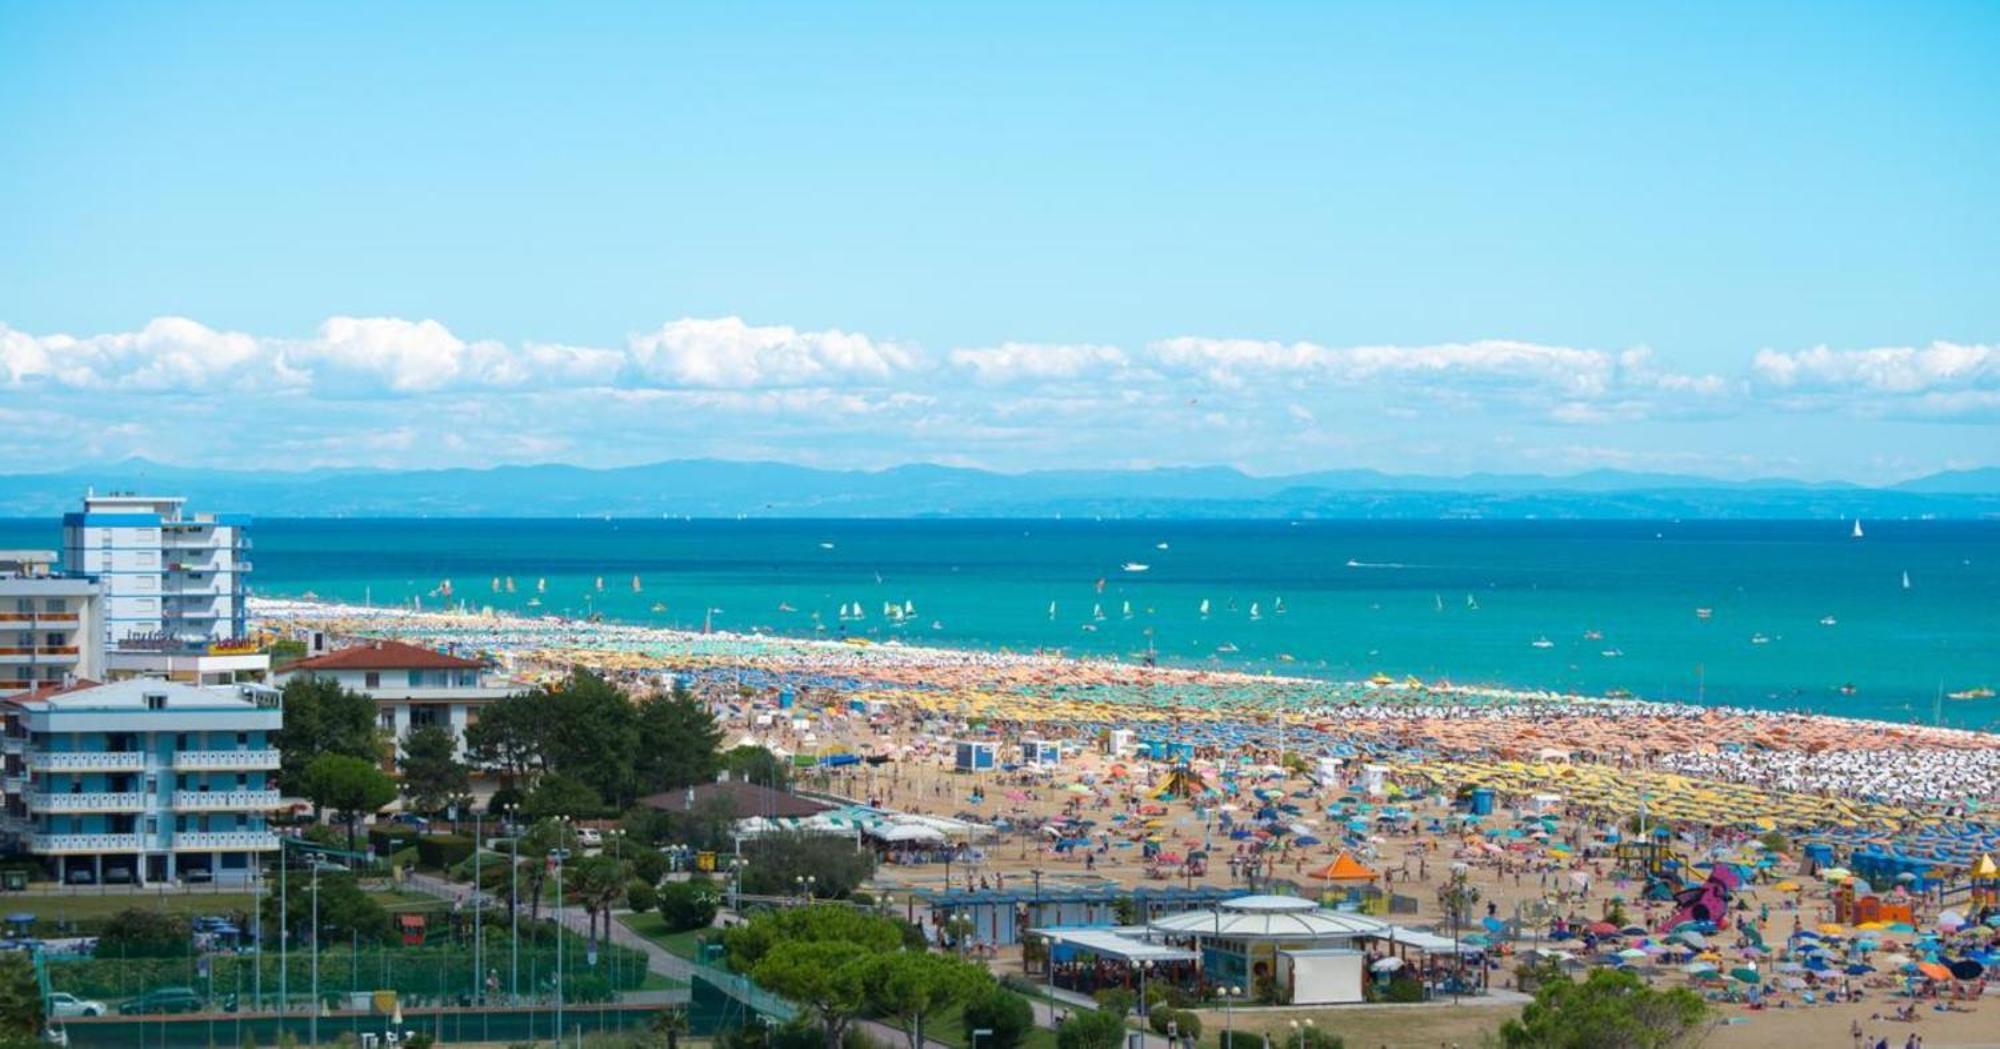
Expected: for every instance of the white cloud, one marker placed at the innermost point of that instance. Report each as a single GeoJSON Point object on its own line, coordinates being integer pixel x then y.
{"type": "Point", "coordinates": [1038, 362]}
{"type": "Point", "coordinates": [1886, 370]}
{"type": "Point", "coordinates": [727, 353]}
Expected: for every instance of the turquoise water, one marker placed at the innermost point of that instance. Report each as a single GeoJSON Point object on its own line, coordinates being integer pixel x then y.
{"type": "Point", "coordinates": [990, 584]}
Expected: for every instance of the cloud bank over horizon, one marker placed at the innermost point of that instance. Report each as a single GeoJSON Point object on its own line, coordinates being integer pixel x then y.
{"type": "Point", "coordinates": [388, 391]}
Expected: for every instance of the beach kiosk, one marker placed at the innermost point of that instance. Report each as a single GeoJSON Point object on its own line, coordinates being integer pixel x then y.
{"type": "Point", "coordinates": [974, 755]}
{"type": "Point", "coordinates": [1041, 753]}
{"type": "Point", "coordinates": [1118, 742]}
{"type": "Point", "coordinates": [1375, 780]}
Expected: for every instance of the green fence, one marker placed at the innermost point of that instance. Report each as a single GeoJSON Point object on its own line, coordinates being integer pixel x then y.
{"type": "Point", "coordinates": [428, 975]}
{"type": "Point", "coordinates": [448, 1026]}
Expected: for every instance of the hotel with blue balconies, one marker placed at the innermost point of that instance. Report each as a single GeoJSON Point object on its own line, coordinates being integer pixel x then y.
{"type": "Point", "coordinates": [141, 781]}
{"type": "Point", "coordinates": [173, 587]}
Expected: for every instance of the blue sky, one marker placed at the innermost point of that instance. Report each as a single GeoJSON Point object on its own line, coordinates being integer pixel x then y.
{"type": "Point", "coordinates": [1732, 239]}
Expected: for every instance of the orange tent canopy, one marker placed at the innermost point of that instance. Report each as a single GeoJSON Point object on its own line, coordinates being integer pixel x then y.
{"type": "Point", "coordinates": [1346, 868]}
{"type": "Point", "coordinates": [1934, 970]}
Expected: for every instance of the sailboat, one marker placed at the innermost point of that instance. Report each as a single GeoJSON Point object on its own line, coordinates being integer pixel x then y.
{"type": "Point", "coordinates": [1255, 612]}
{"type": "Point", "coordinates": [1440, 601]}
{"type": "Point", "coordinates": [600, 584]}
{"type": "Point", "coordinates": [1052, 610]}
{"type": "Point", "coordinates": [659, 606]}
{"type": "Point", "coordinates": [542, 586]}
{"type": "Point", "coordinates": [1470, 603]}
{"type": "Point", "coordinates": [1278, 606]}
{"type": "Point", "coordinates": [636, 588]}
{"type": "Point", "coordinates": [1097, 613]}
{"type": "Point", "coordinates": [909, 608]}
{"type": "Point", "coordinates": [1906, 579]}
{"type": "Point", "coordinates": [1541, 642]}
{"type": "Point", "coordinates": [496, 584]}
{"type": "Point", "coordinates": [1857, 528]}
{"type": "Point", "coordinates": [1127, 611]}
{"type": "Point", "coordinates": [510, 584]}
{"type": "Point", "coordinates": [1204, 608]}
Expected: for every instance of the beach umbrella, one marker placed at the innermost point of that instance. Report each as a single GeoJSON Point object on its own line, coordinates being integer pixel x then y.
{"type": "Point", "coordinates": [1933, 970]}
{"type": "Point", "coordinates": [1386, 965]}
{"type": "Point", "coordinates": [1858, 969]}
{"type": "Point", "coordinates": [1967, 969]}
{"type": "Point", "coordinates": [1745, 974]}
{"type": "Point", "coordinates": [1632, 954]}
{"type": "Point", "coordinates": [1698, 968]}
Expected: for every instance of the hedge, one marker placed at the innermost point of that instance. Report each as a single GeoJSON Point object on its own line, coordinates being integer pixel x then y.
{"type": "Point", "coordinates": [414, 971]}
{"type": "Point", "coordinates": [440, 851]}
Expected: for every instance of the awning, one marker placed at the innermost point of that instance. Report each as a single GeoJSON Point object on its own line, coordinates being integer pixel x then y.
{"type": "Point", "coordinates": [1111, 944]}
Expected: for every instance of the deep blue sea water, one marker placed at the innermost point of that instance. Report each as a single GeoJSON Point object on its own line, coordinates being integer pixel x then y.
{"type": "Point", "coordinates": [1403, 607]}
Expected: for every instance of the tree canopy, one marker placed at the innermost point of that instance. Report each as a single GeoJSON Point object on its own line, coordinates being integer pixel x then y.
{"type": "Point", "coordinates": [1607, 1010]}
{"type": "Point", "coordinates": [433, 777]}
{"type": "Point", "coordinates": [351, 786]}
{"type": "Point", "coordinates": [915, 986]}
{"type": "Point", "coordinates": [836, 865]}
{"type": "Point", "coordinates": [321, 717]}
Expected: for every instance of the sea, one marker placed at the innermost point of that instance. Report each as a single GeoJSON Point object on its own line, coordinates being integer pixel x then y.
{"type": "Point", "coordinates": [1794, 615]}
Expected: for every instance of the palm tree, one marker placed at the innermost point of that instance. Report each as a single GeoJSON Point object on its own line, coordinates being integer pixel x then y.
{"type": "Point", "coordinates": [670, 1024]}
{"type": "Point", "coordinates": [595, 883]}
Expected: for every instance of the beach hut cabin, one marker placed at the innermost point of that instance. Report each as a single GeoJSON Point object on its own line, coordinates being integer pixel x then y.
{"type": "Point", "coordinates": [786, 700]}
{"type": "Point", "coordinates": [1041, 753]}
{"type": "Point", "coordinates": [974, 755]}
{"type": "Point", "coordinates": [1322, 976]}
{"type": "Point", "coordinates": [1326, 771]}
{"type": "Point", "coordinates": [1119, 742]}
{"type": "Point", "coordinates": [1375, 780]}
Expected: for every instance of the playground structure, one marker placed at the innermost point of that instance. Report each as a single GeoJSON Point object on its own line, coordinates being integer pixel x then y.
{"type": "Point", "coordinates": [1707, 903]}
{"type": "Point", "coordinates": [1181, 783]}
{"type": "Point", "coordinates": [1853, 906]}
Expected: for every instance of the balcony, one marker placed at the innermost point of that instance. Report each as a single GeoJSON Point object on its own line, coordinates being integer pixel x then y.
{"type": "Point", "coordinates": [13, 784]}
{"type": "Point", "coordinates": [14, 652]}
{"type": "Point", "coordinates": [65, 618]}
{"type": "Point", "coordinates": [225, 800]}
{"type": "Point", "coordinates": [13, 744]}
{"type": "Point", "coordinates": [87, 761]}
{"type": "Point", "coordinates": [70, 844]}
{"type": "Point", "coordinates": [95, 801]}
{"type": "Point", "coordinates": [226, 841]}
{"type": "Point", "coordinates": [226, 760]}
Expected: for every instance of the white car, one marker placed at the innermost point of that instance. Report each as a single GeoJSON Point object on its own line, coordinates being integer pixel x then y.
{"type": "Point", "coordinates": [64, 1004]}
{"type": "Point", "coordinates": [589, 837]}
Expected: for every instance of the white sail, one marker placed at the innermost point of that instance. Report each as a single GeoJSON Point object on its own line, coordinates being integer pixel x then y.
{"type": "Point", "coordinates": [1052, 610]}
{"type": "Point", "coordinates": [1097, 612]}
{"type": "Point", "coordinates": [1204, 606]}
{"type": "Point", "coordinates": [1127, 610]}
{"type": "Point", "coordinates": [1254, 613]}
{"type": "Point", "coordinates": [1906, 580]}
{"type": "Point", "coordinates": [1857, 528]}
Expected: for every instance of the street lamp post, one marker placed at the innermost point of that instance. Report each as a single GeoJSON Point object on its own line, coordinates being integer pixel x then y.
{"type": "Point", "coordinates": [1144, 968]}
{"type": "Point", "coordinates": [478, 928]}
{"type": "Point", "coordinates": [1301, 1031]}
{"type": "Point", "coordinates": [513, 907]}
{"type": "Point", "coordinates": [314, 1023]}
{"type": "Point", "coordinates": [1228, 1016]}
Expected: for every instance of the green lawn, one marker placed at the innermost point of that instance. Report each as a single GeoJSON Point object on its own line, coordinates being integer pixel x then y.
{"type": "Point", "coordinates": [654, 928]}
{"type": "Point", "coordinates": [88, 911]}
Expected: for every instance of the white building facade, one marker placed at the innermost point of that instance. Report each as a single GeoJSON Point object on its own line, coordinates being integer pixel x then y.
{"type": "Point", "coordinates": [141, 781]}
{"type": "Point", "coordinates": [412, 686]}
{"type": "Point", "coordinates": [49, 629]}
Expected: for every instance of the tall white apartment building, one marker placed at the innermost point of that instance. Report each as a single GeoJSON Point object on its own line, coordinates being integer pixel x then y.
{"type": "Point", "coordinates": [173, 587]}
{"type": "Point", "coordinates": [49, 629]}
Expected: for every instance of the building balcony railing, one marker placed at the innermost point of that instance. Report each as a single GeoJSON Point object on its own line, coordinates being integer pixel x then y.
{"type": "Point", "coordinates": [13, 744]}
{"type": "Point", "coordinates": [70, 844]}
{"type": "Point", "coordinates": [225, 800]}
{"type": "Point", "coordinates": [95, 801]}
{"type": "Point", "coordinates": [70, 618]}
{"type": "Point", "coordinates": [87, 761]}
{"type": "Point", "coordinates": [226, 841]}
{"type": "Point", "coordinates": [226, 760]}
{"type": "Point", "coordinates": [39, 650]}
{"type": "Point", "coordinates": [13, 784]}
{"type": "Point", "coordinates": [18, 684]}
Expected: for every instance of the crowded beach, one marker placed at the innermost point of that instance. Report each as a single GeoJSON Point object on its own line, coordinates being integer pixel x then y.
{"type": "Point", "coordinates": [1837, 874]}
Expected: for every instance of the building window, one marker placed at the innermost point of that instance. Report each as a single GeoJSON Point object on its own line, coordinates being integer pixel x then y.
{"type": "Point", "coordinates": [416, 678]}
{"type": "Point", "coordinates": [373, 679]}
{"type": "Point", "coordinates": [181, 741]}
{"type": "Point", "coordinates": [156, 701]}
{"type": "Point", "coordinates": [242, 740]}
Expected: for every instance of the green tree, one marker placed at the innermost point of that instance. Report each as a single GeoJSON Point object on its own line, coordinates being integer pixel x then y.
{"type": "Point", "coordinates": [997, 1009]}
{"type": "Point", "coordinates": [559, 795]}
{"type": "Point", "coordinates": [914, 986]}
{"type": "Point", "coordinates": [589, 734]}
{"type": "Point", "coordinates": [837, 865]}
{"type": "Point", "coordinates": [323, 718]}
{"type": "Point", "coordinates": [345, 909]}
{"type": "Point", "coordinates": [351, 786]}
{"type": "Point", "coordinates": [20, 999]}
{"type": "Point", "coordinates": [678, 741]}
{"type": "Point", "coordinates": [1607, 1010]}
{"type": "Point", "coordinates": [595, 883]}
{"type": "Point", "coordinates": [509, 737]}
{"type": "Point", "coordinates": [757, 765]}
{"type": "Point", "coordinates": [537, 842]}
{"type": "Point", "coordinates": [285, 651]}
{"type": "Point", "coordinates": [142, 932]}
{"type": "Point", "coordinates": [827, 977]}
{"type": "Point", "coordinates": [686, 905]}
{"type": "Point", "coordinates": [748, 943]}
{"type": "Point", "coordinates": [1091, 1029]}
{"type": "Point", "coordinates": [433, 777]}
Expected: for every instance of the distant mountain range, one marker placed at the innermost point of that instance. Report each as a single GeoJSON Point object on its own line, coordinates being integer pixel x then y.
{"type": "Point", "coordinates": [718, 488]}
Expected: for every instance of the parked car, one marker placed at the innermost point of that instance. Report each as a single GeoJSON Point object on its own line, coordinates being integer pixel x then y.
{"type": "Point", "coordinates": [117, 875]}
{"type": "Point", "coordinates": [589, 837]}
{"type": "Point", "coordinates": [64, 1004]}
{"type": "Point", "coordinates": [163, 1000]}
{"type": "Point", "coordinates": [80, 876]}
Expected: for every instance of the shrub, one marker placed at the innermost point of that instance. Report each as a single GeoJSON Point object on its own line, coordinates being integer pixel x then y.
{"type": "Point", "coordinates": [1180, 1020]}
{"type": "Point", "coordinates": [687, 905]}
{"type": "Point", "coordinates": [138, 932]}
{"type": "Point", "coordinates": [647, 865]}
{"type": "Point", "coordinates": [1091, 1029]}
{"type": "Point", "coordinates": [441, 851]}
{"type": "Point", "coordinates": [390, 838]}
{"type": "Point", "coordinates": [641, 896]}
{"type": "Point", "coordinates": [1239, 1040]}
{"type": "Point", "coordinates": [1404, 988]}
{"type": "Point", "coordinates": [1116, 1000]}
{"type": "Point", "coordinates": [1317, 1038]}
{"type": "Point", "coordinates": [1006, 1014]}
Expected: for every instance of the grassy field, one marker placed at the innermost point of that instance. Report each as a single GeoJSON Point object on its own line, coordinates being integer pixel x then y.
{"type": "Point", "coordinates": [654, 928]}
